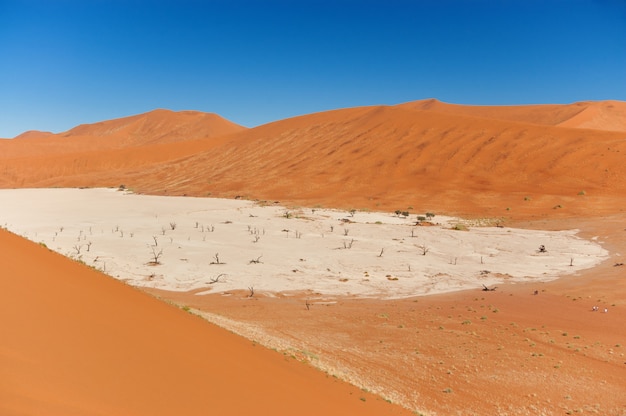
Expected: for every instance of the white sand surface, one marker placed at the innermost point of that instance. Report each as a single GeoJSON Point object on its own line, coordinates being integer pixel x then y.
{"type": "Point", "coordinates": [219, 245]}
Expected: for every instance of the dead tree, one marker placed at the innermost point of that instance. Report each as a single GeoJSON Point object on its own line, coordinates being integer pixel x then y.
{"type": "Point", "coordinates": [155, 256]}
{"type": "Point", "coordinates": [216, 279]}
{"type": "Point", "coordinates": [256, 261]}
{"type": "Point", "coordinates": [217, 259]}
{"type": "Point", "coordinates": [486, 289]}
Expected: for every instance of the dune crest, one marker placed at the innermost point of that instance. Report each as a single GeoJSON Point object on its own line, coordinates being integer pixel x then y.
{"type": "Point", "coordinates": [158, 126]}
{"type": "Point", "coordinates": [33, 134]}
{"type": "Point", "coordinates": [598, 115]}
{"type": "Point", "coordinates": [154, 128]}
{"type": "Point", "coordinates": [605, 115]}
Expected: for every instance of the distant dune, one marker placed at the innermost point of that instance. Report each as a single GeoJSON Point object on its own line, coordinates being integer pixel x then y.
{"type": "Point", "coordinates": [423, 153]}
{"type": "Point", "coordinates": [33, 134]}
{"type": "Point", "coordinates": [601, 115]}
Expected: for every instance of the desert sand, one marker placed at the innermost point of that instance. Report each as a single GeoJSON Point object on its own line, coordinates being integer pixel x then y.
{"type": "Point", "coordinates": [533, 346]}
{"type": "Point", "coordinates": [77, 343]}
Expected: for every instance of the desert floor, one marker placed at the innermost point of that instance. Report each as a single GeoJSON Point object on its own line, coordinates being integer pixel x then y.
{"type": "Point", "coordinates": [346, 292]}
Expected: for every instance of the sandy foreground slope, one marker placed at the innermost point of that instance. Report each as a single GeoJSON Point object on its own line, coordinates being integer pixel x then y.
{"type": "Point", "coordinates": [75, 342]}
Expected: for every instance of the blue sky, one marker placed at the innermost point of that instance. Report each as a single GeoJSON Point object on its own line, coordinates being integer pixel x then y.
{"type": "Point", "coordinates": [68, 62]}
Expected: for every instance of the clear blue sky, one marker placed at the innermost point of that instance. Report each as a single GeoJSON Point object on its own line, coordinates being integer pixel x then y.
{"type": "Point", "coordinates": [68, 62]}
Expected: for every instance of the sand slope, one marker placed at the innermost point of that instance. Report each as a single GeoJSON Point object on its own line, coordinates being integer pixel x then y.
{"type": "Point", "coordinates": [75, 342]}
{"type": "Point", "coordinates": [377, 157]}
{"type": "Point", "coordinates": [600, 115]}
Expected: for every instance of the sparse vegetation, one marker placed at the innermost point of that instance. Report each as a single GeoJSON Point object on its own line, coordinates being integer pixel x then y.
{"type": "Point", "coordinates": [216, 279]}
{"type": "Point", "coordinates": [155, 256]}
{"type": "Point", "coordinates": [216, 256]}
{"type": "Point", "coordinates": [256, 261]}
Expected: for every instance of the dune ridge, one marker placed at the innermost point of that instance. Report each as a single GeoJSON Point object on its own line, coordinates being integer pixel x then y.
{"type": "Point", "coordinates": [366, 157]}
{"type": "Point", "coordinates": [609, 115]}
{"type": "Point", "coordinates": [156, 127]}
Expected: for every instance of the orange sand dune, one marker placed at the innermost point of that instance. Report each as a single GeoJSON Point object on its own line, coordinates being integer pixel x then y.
{"type": "Point", "coordinates": [75, 342]}
{"type": "Point", "coordinates": [158, 126]}
{"type": "Point", "coordinates": [602, 115]}
{"type": "Point", "coordinates": [389, 158]}
{"type": "Point", "coordinates": [33, 134]}
{"type": "Point", "coordinates": [110, 146]}
{"type": "Point", "coordinates": [606, 115]}
{"type": "Point", "coordinates": [152, 128]}
{"type": "Point", "coordinates": [381, 157]}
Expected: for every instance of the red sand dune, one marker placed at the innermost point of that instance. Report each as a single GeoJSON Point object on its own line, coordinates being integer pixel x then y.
{"type": "Point", "coordinates": [385, 157]}
{"type": "Point", "coordinates": [152, 128]}
{"type": "Point", "coordinates": [75, 342]}
{"type": "Point", "coordinates": [599, 115]}
{"type": "Point", "coordinates": [549, 167]}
